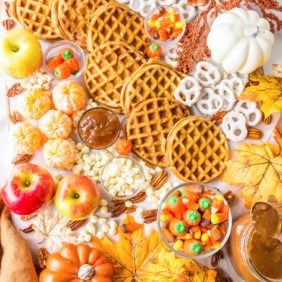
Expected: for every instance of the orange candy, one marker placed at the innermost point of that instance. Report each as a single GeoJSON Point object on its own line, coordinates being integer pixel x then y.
{"type": "Point", "coordinates": [178, 227]}
{"type": "Point", "coordinates": [62, 71]}
{"type": "Point", "coordinates": [176, 205]}
{"type": "Point", "coordinates": [193, 247]}
{"type": "Point", "coordinates": [54, 62]}
{"type": "Point", "coordinates": [73, 64]}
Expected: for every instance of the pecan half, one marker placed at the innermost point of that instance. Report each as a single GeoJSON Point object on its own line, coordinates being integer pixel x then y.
{"type": "Point", "coordinates": [215, 258]}
{"type": "Point", "coordinates": [28, 217]}
{"type": "Point", "coordinates": [117, 207]}
{"type": "Point", "coordinates": [21, 159]}
{"type": "Point", "coordinates": [197, 3]}
{"type": "Point", "coordinates": [16, 117]}
{"type": "Point", "coordinates": [7, 8]}
{"type": "Point", "coordinates": [218, 117]}
{"type": "Point", "coordinates": [8, 24]}
{"type": "Point", "coordinates": [149, 216]}
{"type": "Point", "coordinates": [74, 225]}
{"type": "Point", "coordinates": [229, 197]}
{"type": "Point", "coordinates": [267, 120]}
{"type": "Point", "coordinates": [254, 133]}
{"type": "Point", "coordinates": [15, 90]}
{"type": "Point", "coordinates": [138, 198]}
{"type": "Point", "coordinates": [28, 229]}
{"type": "Point", "coordinates": [159, 179]}
{"type": "Point", "coordinates": [130, 209]}
{"type": "Point", "coordinates": [42, 256]}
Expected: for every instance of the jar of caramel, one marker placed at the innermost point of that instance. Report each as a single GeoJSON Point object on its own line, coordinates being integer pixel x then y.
{"type": "Point", "coordinates": [253, 249]}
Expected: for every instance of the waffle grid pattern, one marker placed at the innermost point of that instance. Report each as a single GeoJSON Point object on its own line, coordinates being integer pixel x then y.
{"type": "Point", "coordinates": [116, 22]}
{"type": "Point", "coordinates": [148, 126]}
{"type": "Point", "coordinates": [152, 80]}
{"type": "Point", "coordinates": [35, 16]}
{"type": "Point", "coordinates": [196, 150]}
{"type": "Point", "coordinates": [106, 70]}
{"type": "Point", "coordinates": [72, 18]}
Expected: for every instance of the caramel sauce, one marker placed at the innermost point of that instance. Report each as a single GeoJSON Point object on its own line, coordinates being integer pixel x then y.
{"type": "Point", "coordinates": [99, 128]}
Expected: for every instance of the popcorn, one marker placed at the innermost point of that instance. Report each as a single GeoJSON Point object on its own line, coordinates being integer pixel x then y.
{"type": "Point", "coordinates": [105, 228]}
{"type": "Point", "coordinates": [103, 202]}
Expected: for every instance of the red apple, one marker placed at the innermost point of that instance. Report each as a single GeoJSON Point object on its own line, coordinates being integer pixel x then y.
{"type": "Point", "coordinates": [28, 188]}
{"type": "Point", "coordinates": [77, 197]}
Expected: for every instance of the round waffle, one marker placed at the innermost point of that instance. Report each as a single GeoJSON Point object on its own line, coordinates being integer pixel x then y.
{"type": "Point", "coordinates": [35, 16]}
{"type": "Point", "coordinates": [154, 79]}
{"type": "Point", "coordinates": [116, 22]}
{"type": "Point", "coordinates": [71, 17]}
{"type": "Point", "coordinates": [148, 126]}
{"type": "Point", "coordinates": [196, 150]}
{"type": "Point", "coordinates": [107, 67]}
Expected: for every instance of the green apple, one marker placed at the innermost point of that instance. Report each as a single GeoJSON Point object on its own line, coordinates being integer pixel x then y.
{"type": "Point", "coordinates": [20, 53]}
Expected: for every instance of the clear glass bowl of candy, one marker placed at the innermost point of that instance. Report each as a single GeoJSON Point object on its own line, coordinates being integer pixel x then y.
{"type": "Point", "coordinates": [194, 220]}
{"type": "Point", "coordinates": [165, 25]}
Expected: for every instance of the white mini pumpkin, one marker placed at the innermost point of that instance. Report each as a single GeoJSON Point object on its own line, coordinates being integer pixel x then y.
{"type": "Point", "coordinates": [240, 40]}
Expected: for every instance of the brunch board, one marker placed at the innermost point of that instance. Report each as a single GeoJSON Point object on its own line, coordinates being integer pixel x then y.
{"type": "Point", "coordinates": [169, 120]}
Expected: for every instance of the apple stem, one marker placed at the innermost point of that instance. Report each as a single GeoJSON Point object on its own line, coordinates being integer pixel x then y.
{"type": "Point", "coordinates": [27, 183]}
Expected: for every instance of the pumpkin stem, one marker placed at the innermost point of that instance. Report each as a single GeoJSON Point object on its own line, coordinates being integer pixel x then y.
{"type": "Point", "coordinates": [86, 272]}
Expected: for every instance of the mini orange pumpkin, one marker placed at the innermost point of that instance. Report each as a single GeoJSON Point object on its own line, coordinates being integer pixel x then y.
{"type": "Point", "coordinates": [79, 263]}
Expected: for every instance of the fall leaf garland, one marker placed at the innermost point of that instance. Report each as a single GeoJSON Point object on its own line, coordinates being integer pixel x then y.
{"type": "Point", "coordinates": [139, 258]}
{"type": "Point", "coordinates": [258, 169]}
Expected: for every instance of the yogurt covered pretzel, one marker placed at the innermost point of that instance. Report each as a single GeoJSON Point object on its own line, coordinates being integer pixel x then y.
{"type": "Point", "coordinates": [207, 74]}
{"type": "Point", "coordinates": [235, 83]}
{"type": "Point", "coordinates": [249, 109]}
{"type": "Point", "coordinates": [170, 55]}
{"type": "Point", "coordinates": [189, 12]}
{"type": "Point", "coordinates": [188, 92]}
{"type": "Point", "coordinates": [227, 95]}
{"type": "Point", "coordinates": [142, 7]}
{"type": "Point", "coordinates": [210, 102]}
{"type": "Point", "coordinates": [234, 126]}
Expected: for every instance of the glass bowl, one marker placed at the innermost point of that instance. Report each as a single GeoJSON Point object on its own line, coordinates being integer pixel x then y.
{"type": "Point", "coordinates": [168, 42]}
{"type": "Point", "coordinates": [134, 192]}
{"type": "Point", "coordinates": [170, 245]}
{"type": "Point", "coordinates": [84, 116]}
{"type": "Point", "coordinates": [55, 48]}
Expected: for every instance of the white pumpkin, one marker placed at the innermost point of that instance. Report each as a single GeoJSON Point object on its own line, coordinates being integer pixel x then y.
{"type": "Point", "coordinates": [240, 40]}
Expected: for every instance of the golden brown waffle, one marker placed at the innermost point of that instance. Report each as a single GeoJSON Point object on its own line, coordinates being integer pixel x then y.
{"type": "Point", "coordinates": [116, 22]}
{"type": "Point", "coordinates": [71, 17]}
{"type": "Point", "coordinates": [35, 16]}
{"type": "Point", "coordinates": [153, 79]}
{"type": "Point", "coordinates": [196, 150]}
{"type": "Point", "coordinates": [106, 69]}
{"type": "Point", "coordinates": [148, 126]}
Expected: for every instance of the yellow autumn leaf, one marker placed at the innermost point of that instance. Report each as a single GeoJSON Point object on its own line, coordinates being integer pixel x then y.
{"type": "Point", "coordinates": [267, 90]}
{"type": "Point", "coordinates": [140, 258]}
{"type": "Point", "coordinates": [258, 169]}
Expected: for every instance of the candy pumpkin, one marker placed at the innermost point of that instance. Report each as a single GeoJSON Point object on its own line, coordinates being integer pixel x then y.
{"type": "Point", "coordinates": [77, 263]}
{"type": "Point", "coordinates": [68, 97]}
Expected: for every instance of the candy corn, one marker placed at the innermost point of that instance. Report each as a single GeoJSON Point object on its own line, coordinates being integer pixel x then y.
{"type": "Point", "coordinates": [165, 24]}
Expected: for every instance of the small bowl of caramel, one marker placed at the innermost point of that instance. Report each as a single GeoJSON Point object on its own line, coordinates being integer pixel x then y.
{"type": "Point", "coordinates": [99, 128]}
